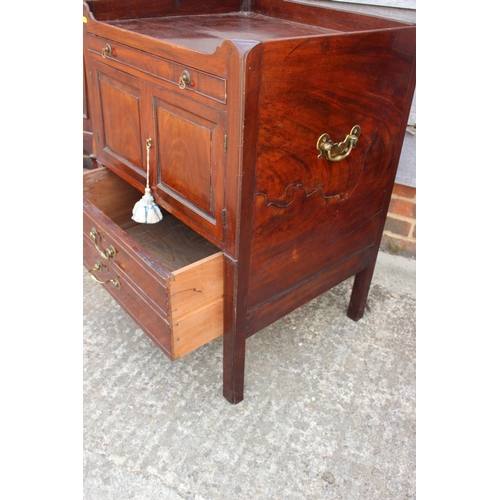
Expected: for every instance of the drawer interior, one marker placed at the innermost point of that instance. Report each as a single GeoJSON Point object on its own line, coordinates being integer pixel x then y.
{"type": "Point", "coordinates": [180, 307]}
{"type": "Point", "coordinates": [169, 241]}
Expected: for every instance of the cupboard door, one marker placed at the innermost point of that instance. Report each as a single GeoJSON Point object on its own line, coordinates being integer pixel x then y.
{"type": "Point", "coordinates": [189, 160]}
{"type": "Point", "coordinates": [121, 146]}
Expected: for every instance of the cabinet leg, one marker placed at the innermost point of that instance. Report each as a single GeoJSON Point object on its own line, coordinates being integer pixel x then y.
{"type": "Point", "coordinates": [234, 366]}
{"type": "Point", "coordinates": [359, 294]}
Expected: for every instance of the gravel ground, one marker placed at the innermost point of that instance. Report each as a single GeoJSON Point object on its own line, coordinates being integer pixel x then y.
{"type": "Point", "coordinates": [329, 408]}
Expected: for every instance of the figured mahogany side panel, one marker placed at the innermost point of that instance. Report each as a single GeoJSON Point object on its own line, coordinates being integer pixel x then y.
{"type": "Point", "coordinates": [363, 279]}
{"type": "Point", "coordinates": [286, 261]}
{"type": "Point", "coordinates": [308, 209]}
{"type": "Point", "coordinates": [303, 292]}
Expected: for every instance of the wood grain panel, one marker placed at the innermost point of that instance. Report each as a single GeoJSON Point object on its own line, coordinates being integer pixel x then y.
{"type": "Point", "coordinates": [117, 122]}
{"type": "Point", "coordinates": [122, 132]}
{"type": "Point", "coordinates": [196, 286]}
{"type": "Point", "coordinates": [308, 209]}
{"type": "Point", "coordinates": [303, 292]}
{"type": "Point", "coordinates": [185, 155]}
{"type": "Point", "coordinates": [189, 161]}
{"type": "Point", "coordinates": [200, 327]}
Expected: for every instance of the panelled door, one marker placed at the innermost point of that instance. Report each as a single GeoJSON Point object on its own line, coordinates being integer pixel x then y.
{"type": "Point", "coordinates": [189, 159]}
{"type": "Point", "coordinates": [121, 140]}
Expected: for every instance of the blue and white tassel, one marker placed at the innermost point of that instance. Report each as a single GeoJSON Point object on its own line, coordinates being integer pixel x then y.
{"type": "Point", "coordinates": [146, 211]}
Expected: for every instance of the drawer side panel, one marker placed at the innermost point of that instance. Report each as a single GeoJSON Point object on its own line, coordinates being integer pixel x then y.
{"type": "Point", "coordinates": [197, 286]}
{"type": "Point", "coordinates": [198, 328]}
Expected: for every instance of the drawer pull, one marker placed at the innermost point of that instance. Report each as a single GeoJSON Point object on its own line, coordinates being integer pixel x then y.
{"type": "Point", "coordinates": [184, 80]}
{"type": "Point", "coordinates": [339, 150]}
{"type": "Point", "coordinates": [98, 267]}
{"type": "Point", "coordinates": [109, 253]}
{"type": "Point", "coordinates": [107, 51]}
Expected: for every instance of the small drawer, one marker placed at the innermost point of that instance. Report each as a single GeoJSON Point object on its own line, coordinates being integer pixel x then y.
{"type": "Point", "coordinates": [183, 77]}
{"type": "Point", "coordinates": [167, 277]}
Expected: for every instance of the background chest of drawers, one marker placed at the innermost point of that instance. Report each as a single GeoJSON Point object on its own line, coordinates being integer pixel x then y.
{"type": "Point", "coordinates": [276, 128]}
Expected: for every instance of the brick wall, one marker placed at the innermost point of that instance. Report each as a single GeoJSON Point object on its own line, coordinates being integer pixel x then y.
{"type": "Point", "coordinates": [400, 232]}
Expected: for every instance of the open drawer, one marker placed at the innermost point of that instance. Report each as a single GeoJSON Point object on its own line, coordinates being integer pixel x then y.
{"type": "Point", "coordinates": [168, 278]}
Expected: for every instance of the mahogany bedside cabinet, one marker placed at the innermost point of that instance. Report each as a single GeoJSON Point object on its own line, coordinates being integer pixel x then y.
{"type": "Point", "coordinates": [272, 130]}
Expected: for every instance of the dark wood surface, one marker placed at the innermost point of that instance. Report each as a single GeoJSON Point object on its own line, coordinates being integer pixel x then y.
{"type": "Point", "coordinates": [173, 243]}
{"type": "Point", "coordinates": [206, 33]}
{"type": "Point", "coordinates": [308, 209]}
{"type": "Point", "coordinates": [234, 153]}
{"type": "Point", "coordinates": [189, 160]}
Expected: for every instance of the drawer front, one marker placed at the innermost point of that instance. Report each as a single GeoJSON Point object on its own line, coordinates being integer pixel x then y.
{"type": "Point", "coordinates": [130, 297]}
{"type": "Point", "coordinates": [123, 254]}
{"type": "Point", "coordinates": [195, 81]}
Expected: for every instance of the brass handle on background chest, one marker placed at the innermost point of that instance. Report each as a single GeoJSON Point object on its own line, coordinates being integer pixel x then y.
{"type": "Point", "coordinates": [184, 80]}
{"type": "Point", "coordinates": [109, 253]}
{"type": "Point", "coordinates": [336, 151]}
{"type": "Point", "coordinates": [107, 51]}
{"type": "Point", "coordinates": [98, 266]}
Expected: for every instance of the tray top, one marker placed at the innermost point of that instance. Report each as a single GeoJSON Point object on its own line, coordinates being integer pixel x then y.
{"type": "Point", "coordinates": [205, 33]}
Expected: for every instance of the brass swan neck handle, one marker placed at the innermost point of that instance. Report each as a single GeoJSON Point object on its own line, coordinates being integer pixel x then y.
{"type": "Point", "coordinates": [339, 150]}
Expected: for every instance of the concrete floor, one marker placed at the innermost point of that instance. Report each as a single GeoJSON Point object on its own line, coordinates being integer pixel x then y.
{"type": "Point", "coordinates": [329, 408]}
